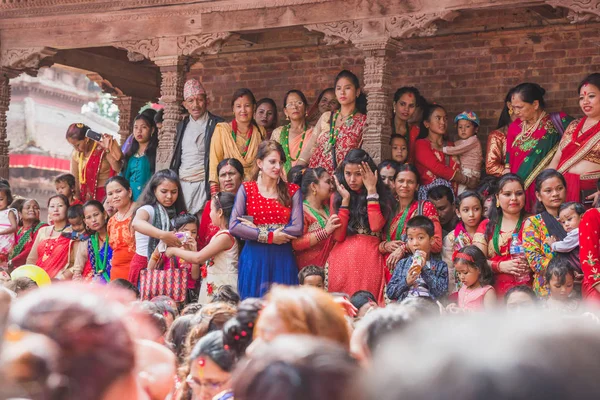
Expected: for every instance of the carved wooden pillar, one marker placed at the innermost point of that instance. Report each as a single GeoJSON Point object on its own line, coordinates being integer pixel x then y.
{"type": "Point", "coordinates": [377, 85]}
{"type": "Point", "coordinates": [172, 70]}
{"type": "Point", "coordinates": [4, 102]}
{"type": "Point", "coordinates": [128, 110]}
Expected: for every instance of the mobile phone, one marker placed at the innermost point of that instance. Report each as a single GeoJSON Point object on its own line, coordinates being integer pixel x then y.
{"type": "Point", "coordinates": [182, 236]}
{"type": "Point", "coordinates": [248, 218]}
{"type": "Point", "coordinates": [95, 136]}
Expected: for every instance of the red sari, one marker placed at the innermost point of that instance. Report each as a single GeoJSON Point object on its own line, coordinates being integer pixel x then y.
{"type": "Point", "coordinates": [206, 230]}
{"type": "Point", "coordinates": [433, 164]}
{"type": "Point", "coordinates": [576, 147]}
{"type": "Point", "coordinates": [355, 262]}
{"type": "Point", "coordinates": [503, 282]}
{"type": "Point", "coordinates": [89, 173]}
{"type": "Point", "coordinates": [317, 254]}
{"type": "Point", "coordinates": [53, 255]}
{"type": "Point", "coordinates": [25, 241]}
{"type": "Point", "coordinates": [589, 252]}
{"type": "Point", "coordinates": [349, 138]}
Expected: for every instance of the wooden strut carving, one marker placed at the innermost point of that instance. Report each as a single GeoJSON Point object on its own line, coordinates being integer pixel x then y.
{"type": "Point", "coordinates": [26, 58]}
{"type": "Point", "coordinates": [137, 50]}
{"type": "Point", "coordinates": [4, 143]}
{"type": "Point", "coordinates": [579, 10]}
{"type": "Point", "coordinates": [207, 43]}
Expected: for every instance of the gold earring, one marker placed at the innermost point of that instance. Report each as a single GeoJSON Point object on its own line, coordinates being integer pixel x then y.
{"type": "Point", "coordinates": [287, 117]}
{"type": "Point", "coordinates": [314, 192]}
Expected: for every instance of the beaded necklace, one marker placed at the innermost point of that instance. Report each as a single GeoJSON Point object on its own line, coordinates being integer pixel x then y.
{"type": "Point", "coordinates": [496, 237]}
{"type": "Point", "coordinates": [399, 229]}
{"type": "Point", "coordinates": [100, 262]}
{"type": "Point", "coordinates": [234, 136]}
{"type": "Point", "coordinates": [285, 143]}
{"type": "Point", "coordinates": [334, 132]}
{"type": "Point", "coordinates": [317, 214]}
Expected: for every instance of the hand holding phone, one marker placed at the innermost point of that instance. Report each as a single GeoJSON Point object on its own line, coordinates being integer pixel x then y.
{"type": "Point", "coordinates": [95, 136]}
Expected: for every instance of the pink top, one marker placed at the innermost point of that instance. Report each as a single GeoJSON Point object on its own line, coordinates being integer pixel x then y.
{"type": "Point", "coordinates": [468, 151]}
{"type": "Point", "coordinates": [472, 299]}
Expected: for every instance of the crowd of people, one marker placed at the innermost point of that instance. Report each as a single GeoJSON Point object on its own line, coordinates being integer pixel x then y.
{"type": "Point", "coordinates": [210, 252]}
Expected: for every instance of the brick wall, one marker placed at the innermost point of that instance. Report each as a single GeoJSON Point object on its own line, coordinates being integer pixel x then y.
{"type": "Point", "coordinates": [460, 71]}
{"type": "Point", "coordinates": [272, 73]}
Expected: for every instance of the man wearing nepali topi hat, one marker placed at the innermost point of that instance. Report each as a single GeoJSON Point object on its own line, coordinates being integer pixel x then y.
{"type": "Point", "coordinates": [192, 146]}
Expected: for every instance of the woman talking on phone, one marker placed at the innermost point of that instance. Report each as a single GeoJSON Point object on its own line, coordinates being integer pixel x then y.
{"type": "Point", "coordinates": [96, 158]}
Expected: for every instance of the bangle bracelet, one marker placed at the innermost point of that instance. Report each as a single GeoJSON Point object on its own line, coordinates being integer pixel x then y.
{"type": "Point", "coordinates": [373, 197]}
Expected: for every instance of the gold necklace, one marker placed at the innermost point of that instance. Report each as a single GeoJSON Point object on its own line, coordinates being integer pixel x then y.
{"type": "Point", "coordinates": [526, 133]}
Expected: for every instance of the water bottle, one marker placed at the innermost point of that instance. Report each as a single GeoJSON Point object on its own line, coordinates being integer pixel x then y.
{"type": "Point", "coordinates": [517, 252]}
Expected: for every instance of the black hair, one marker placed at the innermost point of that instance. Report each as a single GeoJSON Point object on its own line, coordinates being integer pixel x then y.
{"type": "Point", "coordinates": [226, 294]}
{"type": "Point", "coordinates": [96, 204]}
{"type": "Point", "coordinates": [120, 180]}
{"type": "Point", "coordinates": [385, 321]}
{"type": "Point", "coordinates": [56, 196]}
{"type": "Point", "coordinates": [69, 179]}
{"type": "Point", "coordinates": [177, 334]}
{"type": "Point", "coordinates": [486, 275]}
{"type": "Point", "coordinates": [358, 200]}
{"type": "Point", "coordinates": [75, 211]}
{"type": "Point", "coordinates": [409, 89]}
{"type": "Point", "coordinates": [495, 211]}
{"type": "Point", "coordinates": [159, 116]}
{"type": "Point", "coordinates": [310, 270]}
{"type": "Point", "coordinates": [238, 331]}
{"type": "Point", "coordinates": [505, 119]}
{"type": "Point", "coordinates": [361, 100]}
{"type": "Point", "coordinates": [162, 304]}
{"type": "Point", "coordinates": [465, 195]}
{"type": "Point", "coordinates": [159, 322]}
{"type": "Point", "coordinates": [224, 201]}
{"type": "Point", "coordinates": [539, 180]}
{"type": "Point", "coordinates": [5, 182]}
{"type": "Point", "coordinates": [292, 175]}
{"type": "Point", "coordinates": [183, 219]}
{"type": "Point", "coordinates": [244, 92]}
{"type": "Point", "coordinates": [9, 198]}
{"type": "Point", "coordinates": [191, 309]}
{"type": "Point", "coordinates": [361, 298]}
{"type": "Point", "coordinates": [398, 136]}
{"type": "Point", "coordinates": [271, 102]}
{"type": "Point", "coordinates": [421, 222]}
{"type": "Point", "coordinates": [520, 289]}
{"type": "Point", "coordinates": [212, 346]}
{"type": "Point", "coordinates": [428, 111]}
{"type": "Point", "coordinates": [387, 163]}
{"type": "Point", "coordinates": [149, 112]}
{"type": "Point", "coordinates": [149, 198]}
{"type": "Point", "coordinates": [125, 284]}
{"type": "Point", "coordinates": [439, 192]}
{"type": "Point", "coordinates": [575, 206]}
{"type": "Point", "coordinates": [408, 168]}
{"type": "Point", "coordinates": [592, 79]}
{"type": "Point", "coordinates": [530, 92]}
{"type": "Point", "coordinates": [150, 151]}
{"type": "Point", "coordinates": [20, 284]}
{"type": "Point", "coordinates": [299, 93]}
{"type": "Point", "coordinates": [306, 178]}
{"type": "Point", "coordinates": [487, 187]}
{"type": "Point", "coordinates": [234, 162]}
{"type": "Point", "coordinates": [560, 268]}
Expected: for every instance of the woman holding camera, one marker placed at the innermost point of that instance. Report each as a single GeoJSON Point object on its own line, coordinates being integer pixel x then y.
{"type": "Point", "coordinates": [96, 158]}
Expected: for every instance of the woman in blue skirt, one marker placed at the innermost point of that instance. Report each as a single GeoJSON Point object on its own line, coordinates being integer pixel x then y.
{"type": "Point", "coordinates": [268, 215]}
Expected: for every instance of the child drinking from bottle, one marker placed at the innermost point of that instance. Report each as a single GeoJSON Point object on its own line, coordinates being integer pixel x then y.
{"type": "Point", "coordinates": [419, 275]}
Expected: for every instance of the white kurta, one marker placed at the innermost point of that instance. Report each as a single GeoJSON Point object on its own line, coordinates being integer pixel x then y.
{"type": "Point", "coordinates": [191, 171]}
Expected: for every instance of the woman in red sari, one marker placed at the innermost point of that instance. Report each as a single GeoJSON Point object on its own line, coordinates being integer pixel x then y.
{"type": "Point", "coordinates": [92, 162]}
{"type": "Point", "coordinates": [494, 235]}
{"type": "Point", "coordinates": [394, 246]}
{"type": "Point", "coordinates": [363, 204]}
{"type": "Point", "coordinates": [27, 233]}
{"type": "Point", "coordinates": [532, 139]}
{"type": "Point", "coordinates": [435, 168]}
{"type": "Point", "coordinates": [313, 247]}
{"type": "Point", "coordinates": [495, 161]}
{"type": "Point", "coordinates": [51, 250]}
{"type": "Point", "coordinates": [336, 133]}
{"type": "Point", "coordinates": [578, 154]}
{"type": "Point", "coordinates": [589, 253]}
{"type": "Point", "coordinates": [406, 101]}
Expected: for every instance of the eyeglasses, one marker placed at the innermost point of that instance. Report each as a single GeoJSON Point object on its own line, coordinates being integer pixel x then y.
{"type": "Point", "coordinates": [196, 386]}
{"type": "Point", "coordinates": [293, 104]}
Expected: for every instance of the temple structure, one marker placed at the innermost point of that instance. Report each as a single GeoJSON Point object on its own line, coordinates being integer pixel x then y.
{"type": "Point", "coordinates": [460, 53]}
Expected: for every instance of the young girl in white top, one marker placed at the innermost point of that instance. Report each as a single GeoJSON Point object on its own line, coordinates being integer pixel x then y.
{"type": "Point", "coordinates": [8, 224]}
{"type": "Point", "coordinates": [220, 256]}
{"type": "Point", "coordinates": [160, 202]}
